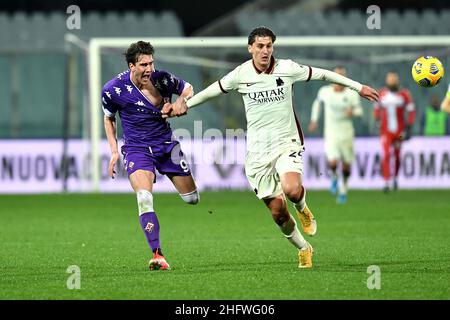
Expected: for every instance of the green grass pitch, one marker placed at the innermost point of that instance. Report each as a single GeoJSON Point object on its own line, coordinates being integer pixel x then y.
{"type": "Point", "coordinates": [227, 247]}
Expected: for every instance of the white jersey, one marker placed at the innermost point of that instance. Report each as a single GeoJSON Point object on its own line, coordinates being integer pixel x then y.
{"type": "Point", "coordinates": [271, 122]}
{"type": "Point", "coordinates": [337, 125]}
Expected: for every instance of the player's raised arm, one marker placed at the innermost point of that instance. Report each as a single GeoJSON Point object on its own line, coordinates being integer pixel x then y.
{"type": "Point", "coordinates": [224, 85]}
{"type": "Point", "coordinates": [210, 92]}
{"type": "Point", "coordinates": [327, 75]}
{"type": "Point", "coordinates": [227, 83]}
{"type": "Point", "coordinates": [307, 73]}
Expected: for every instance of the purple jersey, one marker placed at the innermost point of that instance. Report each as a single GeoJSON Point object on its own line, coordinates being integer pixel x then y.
{"type": "Point", "coordinates": [142, 122]}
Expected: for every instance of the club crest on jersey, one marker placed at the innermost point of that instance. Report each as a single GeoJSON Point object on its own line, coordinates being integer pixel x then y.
{"type": "Point", "coordinates": [149, 227]}
{"type": "Point", "coordinates": [280, 82]}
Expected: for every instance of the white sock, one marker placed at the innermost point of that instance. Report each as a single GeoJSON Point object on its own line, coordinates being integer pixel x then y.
{"type": "Point", "coordinates": [343, 187]}
{"type": "Point", "coordinates": [293, 234]}
{"type": "Point", "coordinates": [302, 203]}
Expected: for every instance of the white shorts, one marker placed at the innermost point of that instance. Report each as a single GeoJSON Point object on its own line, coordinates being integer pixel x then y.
{"type": "Point", "coordinates": [264, 174]}
{"type": "Point", "coordinates": [339, 150]}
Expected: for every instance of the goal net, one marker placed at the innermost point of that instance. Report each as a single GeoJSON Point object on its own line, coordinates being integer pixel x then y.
{"type": "Point", "coordinates": [202, 61]}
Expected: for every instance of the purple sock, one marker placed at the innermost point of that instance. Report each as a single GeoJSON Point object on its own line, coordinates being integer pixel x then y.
{"type": "Point", "coordinates": [150, 226]}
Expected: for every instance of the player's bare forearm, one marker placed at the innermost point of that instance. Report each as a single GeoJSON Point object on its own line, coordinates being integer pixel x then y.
{"type": "Point", "coordinates": [110, 130]}
{"type": "Point", "coordinates": [187, 93]}
{"type": "Point", "coordinates": [176, 109]}
{"type": "Point", "coordinates": [210, 92]}
{"type": "Point", "coordinates": [179, 107]}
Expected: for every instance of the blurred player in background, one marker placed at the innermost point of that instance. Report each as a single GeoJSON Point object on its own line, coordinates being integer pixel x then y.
{"type": "Point", "coordinates": [138, 94]}
{"type": "Point", "coordinates": [274, 165]}
{"type": "Point", "coordinates": [434, 122]}
{"type": "Point", "coordinates": [341, 104]}
{"type": "Point", "coordinates": [445, 105]}
{"type": "Point", "coordinates": [393, 105]}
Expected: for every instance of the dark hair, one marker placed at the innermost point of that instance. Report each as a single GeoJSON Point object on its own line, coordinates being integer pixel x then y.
{"type": "Point", "coordinates": [261, 32]}
{"type": "Point", "coordinates": [136, 49]}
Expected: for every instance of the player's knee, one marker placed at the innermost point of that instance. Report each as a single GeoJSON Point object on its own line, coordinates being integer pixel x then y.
{"type": "Point", "coordinates": [294, 193]}
{"type": "Point", "coordinates": [145, 201]}
{"type": "Point", "coordinates": [191, 197]}
{"type": "Point", "coordinates": [332, 166]}
{"type": "Point", "coordinates": [346, 172]}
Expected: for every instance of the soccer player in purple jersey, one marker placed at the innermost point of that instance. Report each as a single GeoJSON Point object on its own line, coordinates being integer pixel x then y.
{"type": "Point", "coordinates": [138, 94]}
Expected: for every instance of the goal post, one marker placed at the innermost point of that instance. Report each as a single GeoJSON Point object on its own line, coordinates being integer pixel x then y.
{"type": "Point", "coordinates": [411, 46]}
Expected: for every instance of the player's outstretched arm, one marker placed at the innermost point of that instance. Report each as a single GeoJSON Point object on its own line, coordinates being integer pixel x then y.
{"type": "Point", "coordinates": [327, 75]}
{"type": "Point", "coordinates": [210, 92]}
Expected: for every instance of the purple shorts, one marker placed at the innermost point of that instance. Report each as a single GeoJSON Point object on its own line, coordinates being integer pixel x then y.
{"type": "Point", "coordinates": [167, 158]}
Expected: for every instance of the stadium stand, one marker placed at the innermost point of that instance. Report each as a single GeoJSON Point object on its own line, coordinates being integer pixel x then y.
{"type": "Point", "coordinates": [33, 43]}
{"type": "Point", "coordinates": [352, 22]}
{"type": "Point", "coordinates": [43, 35]}
{"type": "Point", "coordinates": [46, 30]}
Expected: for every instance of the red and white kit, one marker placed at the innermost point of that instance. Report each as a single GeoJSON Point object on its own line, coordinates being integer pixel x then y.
{"type": "Point", "coordinates": [391, 110]}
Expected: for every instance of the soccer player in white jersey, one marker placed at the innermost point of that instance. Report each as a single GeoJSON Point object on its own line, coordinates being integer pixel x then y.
{"type": "Point", "coordinates": [341, 104]}
{"type": "Point", "coordinates": [274, 165]}
{"type": "Point", "coordinates": [445, 105]}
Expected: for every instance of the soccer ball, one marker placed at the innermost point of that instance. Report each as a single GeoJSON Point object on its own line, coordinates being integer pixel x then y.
{"type": "Point", "coordinates": [427, 71]}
